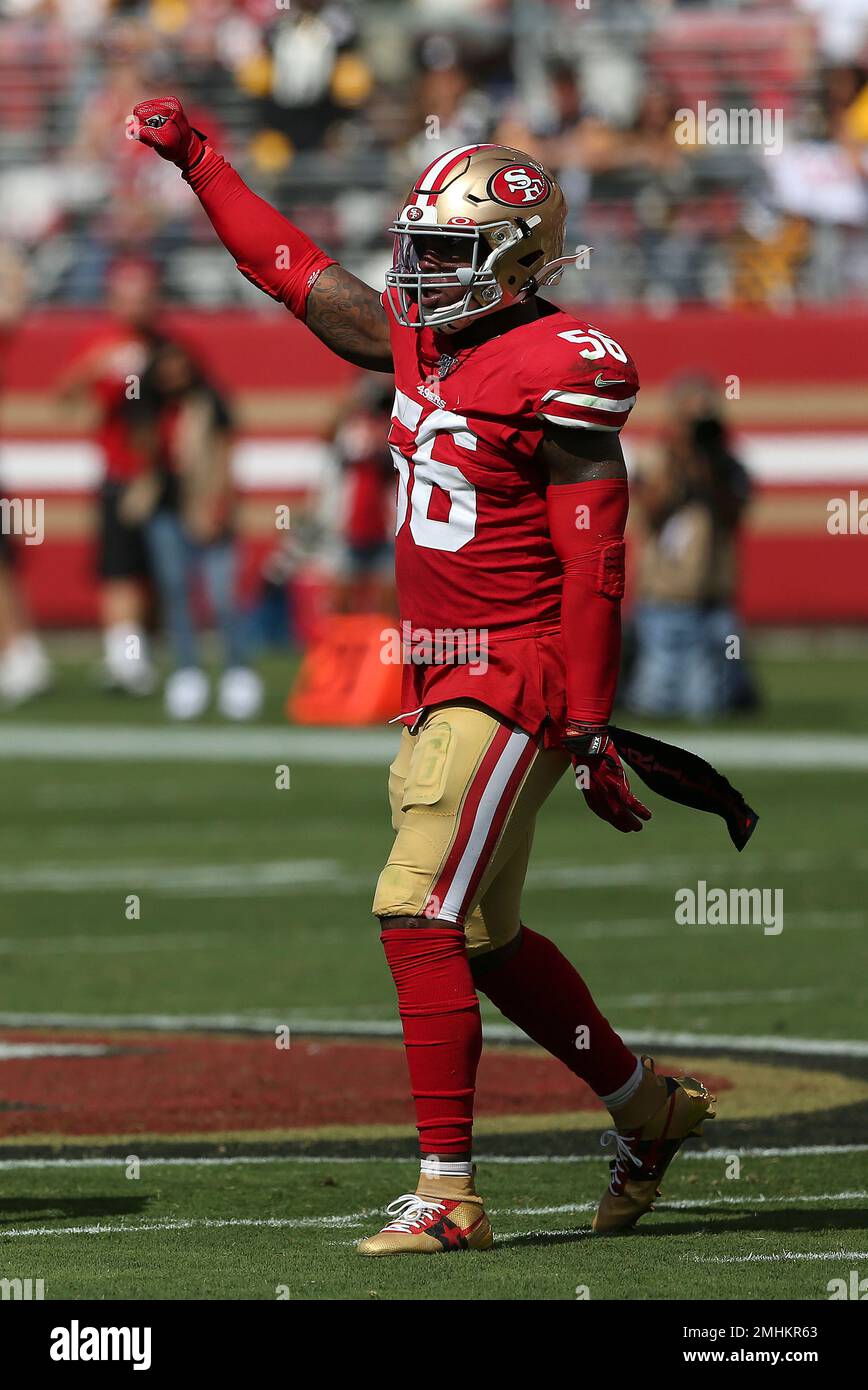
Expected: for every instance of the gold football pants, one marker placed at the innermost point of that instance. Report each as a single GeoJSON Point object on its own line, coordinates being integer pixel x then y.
{"type": "Point", "coordinates": [465, 790]}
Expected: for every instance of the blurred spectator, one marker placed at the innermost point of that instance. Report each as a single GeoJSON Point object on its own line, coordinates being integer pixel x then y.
{"type": "Point", "coordinates": [127, 204]}
{"type": "Point", "coordinates": [810, 226]}
{"type": "Point", "coordinates": [842, 26]}
{"type": "Point", "coordinates": [449, 107]}
{"type": "Point", "coordinates": [690, 502]}
{"type": "Point", "coordinates": [310, 77]}
{"type": "Point", "coordinates": [337, 104]}
{"type": "Point", "coordinates": [185, 499]}
{"type": "Point", "coordinates": [109, 373]}
{"type": "Point", "coordinates": [25, 670]}
{"type": "Point", "coordinates": [571, 140]}
{"type": "Point", "coordinates": [365, 577]}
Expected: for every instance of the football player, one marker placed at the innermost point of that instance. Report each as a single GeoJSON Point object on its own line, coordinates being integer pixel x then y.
{"type": "Point", "coordinates": [511, 506]}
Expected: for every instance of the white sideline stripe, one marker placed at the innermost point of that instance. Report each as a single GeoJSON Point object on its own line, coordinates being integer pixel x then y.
{"type": "Point", "coordinates": [657, 926]}
{"type": "Point", "coordinates": [391, 1028]}
{"type": "Point", "coordinates": [794, 1255]}
{"type": "Point", "coordinates": [219, 878]}
{"type": "Point", "coordinates": [301, 461]}
{"type": "Point", "coordinates": [688, 1203]}
{"type": "Point", "coordinates": [489, 803]}
{"type": "Point", "coordinates": [119, 743]}
{"type": "Point", "coordinates": [16, 1052]}
{"type": "Point", "coordinates": [805, 456]}
{"type": "Point", "coordinates": [196, 1222]}
{"type": "Point", "coordinates": [509, 1160]}
{"type": "Point", "coordinates": [110, 945]}
{"type": "Point", "coordinates": [799, 751]}
{"type": "Point", "coordinates": [286, 875]}
{"type": "Point", "coordinates": [359, 1218]}
{"type": "Point", "coordinates": [59, 466]}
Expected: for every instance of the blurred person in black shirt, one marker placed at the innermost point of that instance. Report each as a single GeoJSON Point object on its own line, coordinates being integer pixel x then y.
{"type": "Point", "coordinates": [690, 501]}
{"type": "Point", "coordinates": [185, 500]}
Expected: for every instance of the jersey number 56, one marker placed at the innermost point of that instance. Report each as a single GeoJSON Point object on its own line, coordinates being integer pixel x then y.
{"type": "Point", "coordinates": [414, 492]}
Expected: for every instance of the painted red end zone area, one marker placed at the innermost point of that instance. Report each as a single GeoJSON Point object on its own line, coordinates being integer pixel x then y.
{"type": "Point", "coordinates": [202, 1085]}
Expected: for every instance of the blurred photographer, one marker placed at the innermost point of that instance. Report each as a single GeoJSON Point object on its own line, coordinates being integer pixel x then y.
{"type": "Point", "coordinates": [185, 501]}
{"type": "Point", "coordinates": [689, 502]}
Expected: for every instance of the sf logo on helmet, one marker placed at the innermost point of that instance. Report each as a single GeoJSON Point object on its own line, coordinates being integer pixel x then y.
{"type": "Point", "coordinates": [519, 185]}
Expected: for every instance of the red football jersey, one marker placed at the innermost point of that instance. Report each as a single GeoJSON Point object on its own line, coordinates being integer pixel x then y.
{"type": "Point", "coordinates": [123, 354]}
{"type": "Point", "coordinates": [473, 554]}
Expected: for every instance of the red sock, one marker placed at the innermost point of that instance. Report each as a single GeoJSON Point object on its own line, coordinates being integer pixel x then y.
{"type": "Point", "coordinates": [442, 1031]}
{"type": "Point", "coordinates": [540, 990]}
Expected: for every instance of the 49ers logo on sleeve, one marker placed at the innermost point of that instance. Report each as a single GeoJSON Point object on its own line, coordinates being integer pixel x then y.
{"type": "Point", "coordinates": [519, 185]}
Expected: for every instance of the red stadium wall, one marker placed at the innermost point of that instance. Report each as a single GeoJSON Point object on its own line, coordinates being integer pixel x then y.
{"type": "Point", "coordinates": [800, 422]}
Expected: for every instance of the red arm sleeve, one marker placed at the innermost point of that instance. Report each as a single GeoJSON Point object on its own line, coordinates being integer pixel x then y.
{"type": "Point", "coordinates": [272, 253]}
{"type": "Point", "coordinates": [586, 522]}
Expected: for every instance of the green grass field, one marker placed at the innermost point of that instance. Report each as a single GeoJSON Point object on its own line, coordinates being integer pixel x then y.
{"type": "Point", "coordinates": [254, 906]}
{"type": "Point", "coordinates": [201, 1233]}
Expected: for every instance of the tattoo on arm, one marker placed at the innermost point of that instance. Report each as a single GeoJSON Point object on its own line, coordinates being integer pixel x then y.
{"type": "Point", "coordinates": [346, 314]}
{"type": "Point", "coordinates": [581, 456]}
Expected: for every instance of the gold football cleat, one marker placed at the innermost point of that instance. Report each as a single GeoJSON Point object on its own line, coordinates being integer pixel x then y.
{"type": "Point", "coordinates": [431, 1223]}
{"type": "Point", "coordinates": [653, 1125]}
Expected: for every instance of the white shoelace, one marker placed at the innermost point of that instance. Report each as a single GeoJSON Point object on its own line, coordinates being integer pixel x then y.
{"type": "Point", "coordinates": [623, 1154]}
{"type": "Point", "coordinates": [410, 1211]}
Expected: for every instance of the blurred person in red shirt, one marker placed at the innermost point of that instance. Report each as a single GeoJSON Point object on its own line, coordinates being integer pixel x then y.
{"type": "Point", "coordinates": [368, 510]}
{"type": "Point", "coordinates": [109, 373]}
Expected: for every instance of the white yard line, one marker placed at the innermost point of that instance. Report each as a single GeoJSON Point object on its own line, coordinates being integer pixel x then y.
{"type": "Point", "coordinates": [110, 945]}
{"type": "Point", "coordinates": [227, 876]}
{"type": "Point", "coordinates": [192, 1223]}
{"type": "Point", "coordinates": [510, 1160]}
{"type": "Point", "coordinates": [373, 1028]}
{"type": "Point", "coordinates": [638, 927]}
{"type": "Point", "coordinates": [18, 1052]}
{"type": "Point", "coordinates": [215, 879]}
{"type": "Point", "coordinates": [689, 1204]}
{"type": "Point", "coordinates": [120, 743]}
{"type": "Point", "coordinates": [359, 1218]}
{"type": "Point", "coordinates": [793, 1255]}
{"type": "Point", "coordinates": [797, 751]}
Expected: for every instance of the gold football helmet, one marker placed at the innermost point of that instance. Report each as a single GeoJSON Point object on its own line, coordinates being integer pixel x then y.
{"type": "Point", "coordinates": [510, 211]}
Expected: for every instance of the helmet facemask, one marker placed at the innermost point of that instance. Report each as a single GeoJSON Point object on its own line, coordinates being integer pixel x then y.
{"type": "Point", "coordinates": [406, 281]}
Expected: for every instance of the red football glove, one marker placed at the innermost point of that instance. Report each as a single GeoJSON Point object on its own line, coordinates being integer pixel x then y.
{"type": "Point", "coordinates": [162, 124]}
{"type": "Point", "coordinates": [608, 791]}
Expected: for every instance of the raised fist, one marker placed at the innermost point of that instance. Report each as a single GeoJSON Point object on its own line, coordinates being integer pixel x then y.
{"type": "Point", "coordinates": [162, 123]}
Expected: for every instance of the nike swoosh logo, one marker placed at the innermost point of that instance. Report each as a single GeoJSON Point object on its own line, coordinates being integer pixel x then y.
{"type": "Point", "coordinates": [615, 381]}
